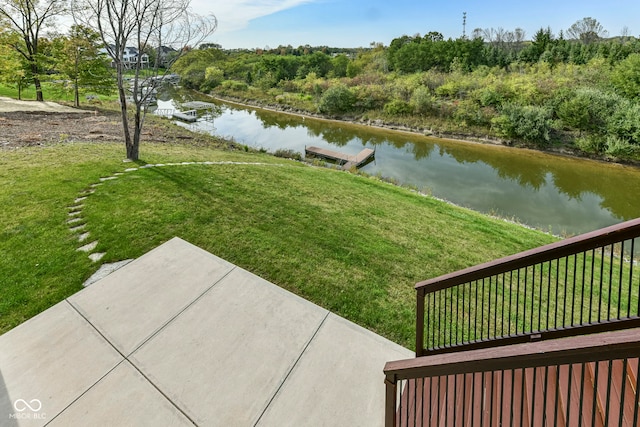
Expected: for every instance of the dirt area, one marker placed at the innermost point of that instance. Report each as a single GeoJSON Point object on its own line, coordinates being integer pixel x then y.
{"type": "Point", "coordinates": [30, 123]}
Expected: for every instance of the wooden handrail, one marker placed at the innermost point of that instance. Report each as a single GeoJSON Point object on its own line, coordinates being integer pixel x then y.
{"type": "Point", "coordinates": [579, 349]}
{"type": "Point", "coordinates": [552, 251]}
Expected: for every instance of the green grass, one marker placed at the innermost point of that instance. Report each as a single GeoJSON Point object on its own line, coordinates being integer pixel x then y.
{"type": "Point", "coordinates": [349, 243]}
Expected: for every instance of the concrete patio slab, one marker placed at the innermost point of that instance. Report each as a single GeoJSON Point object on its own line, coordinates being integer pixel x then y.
{"type": "Point", "coordinates": [49, 362]}
{"type": "Point", "coordinates": [248, 335]}
{"type": "Point", "coordinates": [131, 304]}
{"type": "Point", "coordinates": [182, 337]}
{"type": "Point", "coordinates": [123, 398]}
{"type": "Point", "coordinates": [337, 380]}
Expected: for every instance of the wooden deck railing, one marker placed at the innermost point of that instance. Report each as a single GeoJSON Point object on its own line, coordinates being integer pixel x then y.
{"type": "Point", "coordinates": [473, 326]}
{"type": "Point", "coordinates": [565, 382]}
{"type": "Point", "coordinates": [584, 284]}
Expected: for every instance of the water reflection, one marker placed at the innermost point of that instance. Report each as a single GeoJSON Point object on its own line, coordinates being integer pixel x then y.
{"type": "Point", "coordinates": [556, 193]}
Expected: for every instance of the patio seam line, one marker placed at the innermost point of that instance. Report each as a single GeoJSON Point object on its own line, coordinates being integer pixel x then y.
{"type": "Point", "coordinates": [286, 377]}
{"type": "Point", "coordinates": [131, 362]}
{"type": "Point", "coordinates": [102, 377]}
{"type": "Point", "coordinates": [85, 391]}
{"type": "Point", "coordinates": [185, 308]}
{"type": "Point", "coordinates": [124, 358]}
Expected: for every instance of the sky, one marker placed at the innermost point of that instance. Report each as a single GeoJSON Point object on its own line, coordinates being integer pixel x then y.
{"type": "Point", "coordinates": [358, 23]}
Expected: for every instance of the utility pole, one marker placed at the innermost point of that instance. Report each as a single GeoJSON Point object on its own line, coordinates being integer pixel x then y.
{"type": "Point", "coordinates": [464, 25]}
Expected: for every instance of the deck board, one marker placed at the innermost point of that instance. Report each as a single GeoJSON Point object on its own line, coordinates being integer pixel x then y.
{"type": "Point", "coordinates": [347, 161]}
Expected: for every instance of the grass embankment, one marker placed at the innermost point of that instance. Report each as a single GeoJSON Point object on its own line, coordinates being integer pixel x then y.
{"type": "Point", "coordinates": [352, 244]}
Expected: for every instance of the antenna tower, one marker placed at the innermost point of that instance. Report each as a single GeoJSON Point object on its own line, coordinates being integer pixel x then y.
{"type": "Point", "coordinates": [464, 25]}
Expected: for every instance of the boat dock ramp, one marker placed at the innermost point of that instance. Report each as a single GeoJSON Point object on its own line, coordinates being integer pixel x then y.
{"type": "Point", "coordinates": [346, 161]}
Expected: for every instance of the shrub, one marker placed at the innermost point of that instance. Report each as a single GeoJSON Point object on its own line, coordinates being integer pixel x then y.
{"type": "Point", "coordinates": [588, 109]}
{"type": "Point", "coordinates": [398, 108]}
{"type": "Point", "coordinates": [336, 100]}
{"type": "Point", "coordinates": [213, 77]}
{"type": "Point", "coordinates": [618, 147]}
{"type": "Point", "coordinates": [288, 153]}
{"type": "Point", "coordinates": [591, 144]}
{"type": "Point", "coordinates": [624, 123]}
{"type": "Point", "coordinates": [529, 123]}
{"type": "Point", "coordinates": [232, 86]}
{"type": "Point", "coordinates": [422, 100]}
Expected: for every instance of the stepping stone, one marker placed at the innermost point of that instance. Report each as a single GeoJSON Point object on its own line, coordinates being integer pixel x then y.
{"type": "Point", "coordinates": [118, 174]}
{"type": "Point", "coordinates": [77, 228]}
{"type": "Point", "coordinates": [96, 184]}
{"type": "Point", "coordinates": [105, 270]}
{"type": "Point", "coordinates": [74, 220]}
{"type": "Point", "coordinates": [83, 237]}
{"type": "Point", "coordinates": [79, 199]}
{"type": "Point", "coordinates": [131, 169]}
{"type": "Point", "coordinates": [75, 213]}
{"type": "Point", "coordinates": [95, 257]}
{"type": "Point", "coordinates": [75, 208]}
{"type": "Point", "coordinates": [88, 247]}
{"type": "Point", "coordinates": [108, 178]}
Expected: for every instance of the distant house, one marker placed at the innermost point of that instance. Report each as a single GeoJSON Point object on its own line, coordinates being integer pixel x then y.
{"type": "Point", "coordinates": [166, 55]}
{"type": "Point", "coordinates": [129, 57]}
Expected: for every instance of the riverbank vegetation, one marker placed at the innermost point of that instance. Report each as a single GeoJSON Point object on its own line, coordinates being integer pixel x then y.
{"type": "Point", "coordinates": [352, 244]}
{"type": "Point", "coordinates": [576, 89]}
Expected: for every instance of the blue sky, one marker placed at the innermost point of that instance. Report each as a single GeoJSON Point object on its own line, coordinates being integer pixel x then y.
{"type": "Point", "coordinates": [355, 23]}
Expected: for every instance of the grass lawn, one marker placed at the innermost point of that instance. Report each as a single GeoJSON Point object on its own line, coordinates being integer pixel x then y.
{"type": "Point", "coordinates": [349, 243]}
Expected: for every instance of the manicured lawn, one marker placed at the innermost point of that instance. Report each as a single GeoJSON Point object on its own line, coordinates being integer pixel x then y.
{"type": "Point", "coordinates": [350, 243]}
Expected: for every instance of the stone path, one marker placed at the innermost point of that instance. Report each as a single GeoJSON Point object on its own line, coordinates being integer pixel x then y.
{"type": "Point", "coordinates": [78, 225]}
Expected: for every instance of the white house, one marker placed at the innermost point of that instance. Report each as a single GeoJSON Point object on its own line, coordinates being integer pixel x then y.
{"type": "Point", "coordinates": [129, 57]}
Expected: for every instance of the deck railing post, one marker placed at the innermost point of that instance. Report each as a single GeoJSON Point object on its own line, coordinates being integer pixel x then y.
{"type": "Point", "coordinates": [420, 323]}
{"type": "Point", "coordinates": [390, 401]}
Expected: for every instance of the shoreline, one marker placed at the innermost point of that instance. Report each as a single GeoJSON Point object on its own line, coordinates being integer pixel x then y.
{"type": "Point", "coordinates": [462, 138]}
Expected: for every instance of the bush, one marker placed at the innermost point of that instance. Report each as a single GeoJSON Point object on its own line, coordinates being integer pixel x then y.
{"type": "Point", "coordinates": [625, 122]}
{"type": "Point", "coordinates": [469, 113]}
{"type": "Point", "coordinates": [618, 147]}
{"type": "Point", "coordinates": [398, 108]}
{"type": "Point", "coordinates": [288, 153]}
{"type": "Point", "coordinates": [337, 100]}
{"type": "Point", "coordinates": [371, 97]}
{"type": "Point", "coordinates": [591, 144]}
{"type": "Point", "coordinates": [234, 86]}
{"type": "Point", "coordinates": [213, 77]}
{"type": "Point", "coordinates": [529, 123]}
{"type": "Point", "coordinates": [422, 100]}
{"type": "Point", "coordinates": [588, 109]}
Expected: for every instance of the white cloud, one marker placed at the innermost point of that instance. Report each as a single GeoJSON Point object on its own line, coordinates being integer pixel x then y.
{"type": "Point", "coordinates": [234, 15]}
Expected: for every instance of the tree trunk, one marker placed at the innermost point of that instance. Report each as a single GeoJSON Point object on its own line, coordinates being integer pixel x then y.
{"type": "Point", "coordinates": [132, 153]}
{"type": "Point", "coordinates": [137, 132]}
{"type": "Point", "coordinates": [76, 94]}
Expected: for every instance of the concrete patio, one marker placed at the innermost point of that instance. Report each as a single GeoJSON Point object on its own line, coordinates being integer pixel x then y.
{"type": "Point", "coordinates": [182, 337]}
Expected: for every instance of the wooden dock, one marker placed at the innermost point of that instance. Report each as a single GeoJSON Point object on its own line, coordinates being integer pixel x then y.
{"type": "Point", "coordinates": [187, 116]}
{"type": "Point", "coordinates": [345, 160]}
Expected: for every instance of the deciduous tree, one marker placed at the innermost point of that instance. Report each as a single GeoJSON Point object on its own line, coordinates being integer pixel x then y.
{"type": "Point", "coordinates": [140, 24]}
{"type": "Point", "coordinates": [587, 30]}
{"type": "Point", "coordinates": [29, 18]}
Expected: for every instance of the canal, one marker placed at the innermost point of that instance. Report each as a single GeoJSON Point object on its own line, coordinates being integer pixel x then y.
{"type": "Point", "coordinates": [554, 193]}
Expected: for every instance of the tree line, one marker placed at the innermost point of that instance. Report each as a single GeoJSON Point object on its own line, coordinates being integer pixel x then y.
{"type": "Point", "coordinates": [578, 87]}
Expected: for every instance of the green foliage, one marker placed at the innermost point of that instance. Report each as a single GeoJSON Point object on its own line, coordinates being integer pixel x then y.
{"type": "Point", "coordinates": [626, 76]}
{"type": "Point", "coordinates": [588, 109]}
{"type": "Point", "coordinates": [624, 123]}
{"type": "Point", "coordinates": [591, 144]}
{"type": "Point", "coordinates": [422, 100]}
{"type": "Point", "coordinates": [398, 108]}
{"type": "Point", "coordinates": [529, 123]}
{"type": "Point", "coordinates": [213, 77]}
{"type": "Point", "coordinates": [337, 100]}
{"type": "Point", "coordinates": [618, 147]}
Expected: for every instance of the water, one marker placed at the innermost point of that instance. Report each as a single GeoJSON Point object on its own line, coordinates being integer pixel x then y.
{"type": "Point", "coordinates": [554, 193]}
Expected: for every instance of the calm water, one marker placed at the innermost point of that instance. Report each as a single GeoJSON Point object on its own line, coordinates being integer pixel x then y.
{"type": "Point", "coordinates": [549, 192]}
